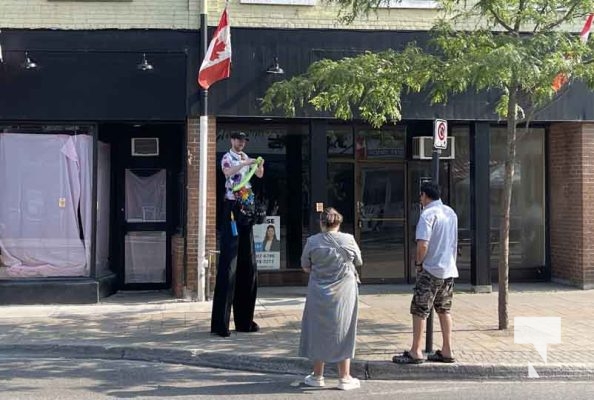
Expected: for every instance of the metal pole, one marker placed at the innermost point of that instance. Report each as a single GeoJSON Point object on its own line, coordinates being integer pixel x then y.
{"type": "Point", "coordinates": [429, 328]}
{"type": "Point", "coordinates": [435, 166]}
{"type": "Point", "coordinates": [202, 262]}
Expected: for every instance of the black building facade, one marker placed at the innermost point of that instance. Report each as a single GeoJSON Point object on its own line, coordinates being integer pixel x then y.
{"type": "Point", "coordinates": [87, 86]}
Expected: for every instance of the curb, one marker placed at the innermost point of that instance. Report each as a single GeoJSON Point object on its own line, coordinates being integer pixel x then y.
{"type": "Point", "coordinates": [369, 370]}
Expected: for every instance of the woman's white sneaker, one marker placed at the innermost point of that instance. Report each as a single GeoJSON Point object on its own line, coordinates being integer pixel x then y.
{"type": "Point", "coordinates": [348, 384]}
{"type": "Point", "coordinates": [315, 381]}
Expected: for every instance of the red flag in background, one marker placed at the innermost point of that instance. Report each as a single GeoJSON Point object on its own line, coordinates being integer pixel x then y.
{"type": "Point", "coordinates": [558, 81]}
{"type": "Point", "coordinates": [561, 78]}
{"type": "Point", "coordinates": [217, 61]}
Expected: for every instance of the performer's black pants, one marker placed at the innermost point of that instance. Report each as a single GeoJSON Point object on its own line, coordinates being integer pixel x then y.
{"type": "Point", "coordinates": [237, 277]}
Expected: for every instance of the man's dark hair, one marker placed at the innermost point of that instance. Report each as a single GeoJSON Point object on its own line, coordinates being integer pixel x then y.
{"type": "Point", "coordinates": [431, 190]}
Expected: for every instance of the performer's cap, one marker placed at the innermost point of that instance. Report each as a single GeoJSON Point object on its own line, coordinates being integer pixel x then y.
{"type": "Point", "coordinates": [240, 135]}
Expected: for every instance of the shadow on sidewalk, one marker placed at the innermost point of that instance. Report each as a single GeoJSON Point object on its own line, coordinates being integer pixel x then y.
{"type": "Point", "coordinates": [105, 377]}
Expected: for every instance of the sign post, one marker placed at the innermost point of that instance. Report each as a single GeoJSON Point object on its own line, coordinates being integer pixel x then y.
{"type": "Point", "coordinates": [440, 142]}
{"type": "Point", "coordinates": [440, 134]}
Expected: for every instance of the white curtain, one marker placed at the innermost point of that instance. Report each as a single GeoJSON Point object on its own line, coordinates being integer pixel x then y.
{"type": "Point", "coordinates": [45, 178]}
{"type": "Point", "coordinates": [146, 196]}
{"type": "Point", "coordinates": [145, 257]}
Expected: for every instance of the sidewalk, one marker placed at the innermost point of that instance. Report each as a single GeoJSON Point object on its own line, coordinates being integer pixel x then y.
{"type": "Point", "coordinates": [152, 326]}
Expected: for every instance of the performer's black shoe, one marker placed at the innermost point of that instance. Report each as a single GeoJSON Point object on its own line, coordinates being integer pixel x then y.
{"type": "Point", "coordinates": [222, 333]}
{"type": "Point", "coordinates": [252, 328]}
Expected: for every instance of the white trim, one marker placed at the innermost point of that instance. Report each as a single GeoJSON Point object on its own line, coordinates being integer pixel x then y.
{"type": "Point", "coordinates": [202, 262]}
{"type": "Point", "coordinates": [281, 2]}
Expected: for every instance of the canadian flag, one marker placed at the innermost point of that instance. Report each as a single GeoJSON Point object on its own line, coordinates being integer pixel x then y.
{"type": "Point", "coordinates": [217, 61]}
{"type": "Point", "coordinates": [561, 78]}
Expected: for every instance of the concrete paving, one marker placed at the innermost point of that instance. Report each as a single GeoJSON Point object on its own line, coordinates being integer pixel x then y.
{"type": "Point", "coordinates": [155, 327]}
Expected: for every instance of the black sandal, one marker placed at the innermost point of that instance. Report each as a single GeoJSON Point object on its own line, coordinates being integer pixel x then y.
{"type": "Point", "coordinates": [406, 358]}
{"type": "Point", "coordinates": [439, 357]}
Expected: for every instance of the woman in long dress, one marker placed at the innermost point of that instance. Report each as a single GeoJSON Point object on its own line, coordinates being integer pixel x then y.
{"type": "Point", "coordinates": [329, 325]}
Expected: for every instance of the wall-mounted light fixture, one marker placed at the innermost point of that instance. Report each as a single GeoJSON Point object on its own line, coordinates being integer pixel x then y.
{"type": "Point", "coordinates": [275, 68]}
{"type": "Point", "coordinates": [29, 64]}
{"type": "Point", "coordinates": [144, 64]}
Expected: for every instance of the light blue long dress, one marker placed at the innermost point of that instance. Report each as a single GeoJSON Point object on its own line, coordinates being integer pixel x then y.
{"type": "Point", "coordinates": [329, 324]}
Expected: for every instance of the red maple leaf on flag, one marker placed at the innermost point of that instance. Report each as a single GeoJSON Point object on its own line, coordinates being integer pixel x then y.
{"type": "Point", "coordinates": [219, 47]}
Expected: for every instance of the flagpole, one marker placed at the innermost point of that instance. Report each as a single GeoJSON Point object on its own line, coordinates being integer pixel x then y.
{"type": "Point", "coordinates": [202, 262]}
{"type": "Point", "coordinates": [1, 56]}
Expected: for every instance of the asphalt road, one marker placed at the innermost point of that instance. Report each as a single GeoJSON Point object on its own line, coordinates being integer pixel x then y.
{"type": "Point", "coordinates": [37, 379]}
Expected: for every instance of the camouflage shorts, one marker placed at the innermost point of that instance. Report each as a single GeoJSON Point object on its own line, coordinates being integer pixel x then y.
{"type": "Point", "coordinates": [430, 292]}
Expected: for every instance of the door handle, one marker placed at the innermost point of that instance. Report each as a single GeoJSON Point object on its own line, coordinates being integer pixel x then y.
{"type": "Point", "coordinates": [360, 206]}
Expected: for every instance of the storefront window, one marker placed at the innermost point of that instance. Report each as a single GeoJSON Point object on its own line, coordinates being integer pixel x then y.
{"type": "Point", "coordinates": [46, 175]}
{"type": "Point", "coordinates": [285, 149]}
{"type": "Point", "coordinates": [340, 142]}
{"type": "Point", "coordinates": [341, 192]}
{"type": "Point", "coordinates": [526, 237]}
{"type": "Point", "coordinates": [385, 144]}
{"type": "Point", "coordinates": [460, 193]}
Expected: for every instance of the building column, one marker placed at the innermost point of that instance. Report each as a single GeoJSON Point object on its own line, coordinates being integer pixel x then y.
{"type": "Point", "coordinates": [571, 209]}
{"type": "Point", "coordinates": [480, 250]}
{"type": "Point", "coordinates": [192, 201]}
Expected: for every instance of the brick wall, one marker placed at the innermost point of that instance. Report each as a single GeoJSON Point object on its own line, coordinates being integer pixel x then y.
{"type": "Point", "coordinates": [177, 265]}
{"type": "Point", "coordinates": [587, 271]}
{"type": "Point", "coordinates": [193, 163]}
{"type": "Point", "coordinates": [404, 15]}
{"type": "Point", "coordinates": [185, 14]}
{"type": "Point", "coordinates": [158, 14]}
{"type": "Point", "coordinates": [322, 16]}
{"type": "Point", "coordinates": [571, 187]}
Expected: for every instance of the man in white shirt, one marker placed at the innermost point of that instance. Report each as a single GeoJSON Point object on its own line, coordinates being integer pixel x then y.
{"type": "Point", "coordinates": [437, 243]}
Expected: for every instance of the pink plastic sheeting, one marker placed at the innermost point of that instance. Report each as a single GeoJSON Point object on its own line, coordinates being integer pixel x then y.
{"type": "Point", "coordinates": [45, 178]}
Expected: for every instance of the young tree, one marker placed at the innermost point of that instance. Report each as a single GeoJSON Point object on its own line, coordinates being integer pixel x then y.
{"type": "Point", "coordinates": [513, 48]}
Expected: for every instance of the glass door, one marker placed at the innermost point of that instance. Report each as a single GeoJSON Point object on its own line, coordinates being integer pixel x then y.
{"type": "Point", "coordinates": [145, 236]}
{"type": "Point", "coordinates": [380, 220]}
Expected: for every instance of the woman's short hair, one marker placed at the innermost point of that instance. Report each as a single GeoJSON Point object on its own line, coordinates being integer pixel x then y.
{"type": "Point", "coordinates": [330, 218]}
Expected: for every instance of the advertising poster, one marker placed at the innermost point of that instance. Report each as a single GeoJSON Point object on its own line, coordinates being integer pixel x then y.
{"type": "Point", "coordinates": [267, 243]}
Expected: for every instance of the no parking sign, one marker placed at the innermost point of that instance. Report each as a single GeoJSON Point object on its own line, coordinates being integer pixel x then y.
{"type": "Point", "coordinates": [440, 134]}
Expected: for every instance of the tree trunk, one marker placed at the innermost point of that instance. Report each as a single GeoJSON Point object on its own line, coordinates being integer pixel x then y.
{"type": "Point", "coordinates": [503, 265]}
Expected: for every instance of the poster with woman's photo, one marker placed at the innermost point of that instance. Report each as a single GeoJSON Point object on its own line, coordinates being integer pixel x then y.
{"type": "Point", "coordinates": [267, 243]}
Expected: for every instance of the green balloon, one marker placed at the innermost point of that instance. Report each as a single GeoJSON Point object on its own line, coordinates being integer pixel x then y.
{"type": "Point", "coordinates": [249, 175]}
